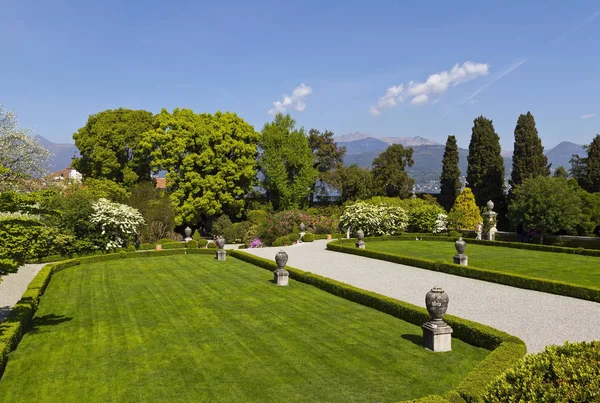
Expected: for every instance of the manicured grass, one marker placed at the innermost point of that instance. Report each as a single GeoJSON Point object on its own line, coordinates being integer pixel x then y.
{"type": "Point", "coordinates": [576, 269]}
{"type": "Point", "coordinates": [190, 328]}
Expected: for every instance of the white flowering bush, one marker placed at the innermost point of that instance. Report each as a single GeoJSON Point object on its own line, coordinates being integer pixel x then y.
{"type": "Point", "coordinates": [440, 223]}
{"type": "Point", "coordinates": [117, 222]}
{"type": "Point", "coordinates": [379, 219]}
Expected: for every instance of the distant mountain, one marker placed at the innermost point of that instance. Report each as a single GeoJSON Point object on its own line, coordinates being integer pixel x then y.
{"type": "Point", "coordinates": [62, 153]}
{"type": "Point", "coordinates": [562, 154]}
{"type": "Point", "coordinates": [366, 145]}
{"type": "Point", "coordinates": [405, 141]}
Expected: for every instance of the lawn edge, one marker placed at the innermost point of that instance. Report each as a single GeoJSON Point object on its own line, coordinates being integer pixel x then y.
{"type": "Point", "coordinates": [493, 276]}
{"type": "Point", "coordinates": [506, 349]}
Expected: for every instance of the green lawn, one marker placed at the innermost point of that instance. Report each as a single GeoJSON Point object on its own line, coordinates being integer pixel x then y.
{"type": "Point", "coordinates": [576, 269]}
{"type": "Point", "coordinates": [190, 328]}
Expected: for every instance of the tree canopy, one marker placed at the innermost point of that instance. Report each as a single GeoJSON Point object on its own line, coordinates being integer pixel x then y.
{"type": "Point", "coordinates": [21, 155]}
{"type": "Point", "coordinates": [109, 144]}
{"type": "Point", "coordinates": [210, 161]}
{"type": "Point", "coordinates": [485, 170]}
{"type": "Point", "coordinates": [352, 182]}
{"type": "Point", "coordinates": [529, 160]}
{"type": "Point", "coordinates": [450, 179]}
{"type": "Point", "coordinates": [389, 171]}
{"type": "Point", "coordinates": [586, 170]}
{"type": "Point", "coordinates": [286, 163]}
{"type": "Point", "coordinates": [545, 205]}
{"type": "Point", "coordinates": [328, 156]}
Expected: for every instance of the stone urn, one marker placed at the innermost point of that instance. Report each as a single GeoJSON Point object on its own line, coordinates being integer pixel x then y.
{"type": "Point", "coordinates": [220, 242]}
{"type": "Point", "coordinates": [490, 205]}
{"type": "Point", "coordinates": [460, 246]}
{"type": "Point", "coordinates": [436, 302]}
{"type": "Point", "coordinates": [360, 235]}
{"type": "Point", "coordinates": [188, 233]}
{"type": "Point", "coordinates": [281, 259]}
{"type": "Point", "coordinates": [302, 227]}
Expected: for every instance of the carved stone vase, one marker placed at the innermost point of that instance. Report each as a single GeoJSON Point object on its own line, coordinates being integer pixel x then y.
{"type": "Point", "coordinates": [281, 259]}
{"type": "Point", "coordinates": [360, 234]}
{"type": "Point", "coordinates": [188, 233]}
{"type": "Point", "coordinates": [302, 227]}
{"type": "Point", "coordinates": [220, 242]}
{"type": "Point", "coordinates": [460, 246]}
{"type": "Point", "coordinates": [436, 302]}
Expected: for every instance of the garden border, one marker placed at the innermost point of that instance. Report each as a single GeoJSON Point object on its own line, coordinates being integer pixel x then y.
{"type": "Point", "coordinates": [505, 349]}
{"type": "Point", "coordinates": [492, 276]}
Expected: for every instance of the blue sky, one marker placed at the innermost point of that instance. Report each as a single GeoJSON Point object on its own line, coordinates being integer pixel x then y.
{"type": "Point", "coordinates": [64, 60]}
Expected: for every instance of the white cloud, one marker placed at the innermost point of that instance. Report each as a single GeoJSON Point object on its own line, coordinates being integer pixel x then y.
{"type": "Point", "coordinates": [296, 102]}
{"type": "Point", "coordinates": [589, 116]}
{"type": "Point", "coordinates": [436, 84]}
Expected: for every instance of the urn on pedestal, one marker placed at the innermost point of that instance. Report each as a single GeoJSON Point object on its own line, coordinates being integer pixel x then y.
{"type": "Point", "coordinates": [360, 236]}
{"type": "Point", "coordinates": [188, 234]}
{"type": "Point", "coordinates": [220, 242]}
{"type": "Point", "coordinates": [460, 258]}
{"type": "Point", "coordinates": [302, 231]}
{"type": "Point", "coordinates": [281, 275]}
{"type": "Point", "coordinates": [436, 333]}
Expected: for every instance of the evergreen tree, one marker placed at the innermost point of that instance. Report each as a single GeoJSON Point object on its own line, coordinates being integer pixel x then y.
{"type": "Point", "coordinates": [464, 214]}
{"type": "Point", "coordinates": [586, 170]}
{"type": "Point", "coordinates": [561, 172]}
{"type": "Point", "coordinates": [529, 160]}
{"type": "Point", "coordinates": [450, 178]}
{"type": "Point", "coordinates": [485, 170]}
{"type": "Point", "coordinates": [389, 171]}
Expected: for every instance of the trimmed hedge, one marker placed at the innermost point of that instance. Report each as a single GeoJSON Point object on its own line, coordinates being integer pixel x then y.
{"type": "Point", "coordinates": [308, 237]}
{"type": "Point", "coordinates": [492, 276]}
{"type": "Point", "coordinates": [147, 246]}
{"type": "Point", "coordinates": [506, 349]}
{"type": "Point", "coordinates": [173, 245]}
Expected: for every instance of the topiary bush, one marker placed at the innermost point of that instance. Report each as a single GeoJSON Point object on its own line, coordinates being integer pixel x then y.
{"type": "Point", "coordinates": [173, 245]}
{"type": "Point", "coordinates": [191, 244]}
{"type": "Point", "coordinates": [131, 248]}
{"type": "Point", "coordinates": [464, 213]}
{"type": "Point", "coordinates": [212, 245]}
{"type": "Point", "coordinates": [567, 373]}
{"type": "Point", "coordinates": [308, 237]}
{"type": "Point", "coordinates": [196, 236]}
{"type": "Point", "coordinates": [202, 243]}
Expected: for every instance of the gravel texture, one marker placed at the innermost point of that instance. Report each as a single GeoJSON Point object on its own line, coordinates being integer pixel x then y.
{"type": "Point", "coordinates": [14, 285]}
{"type": "Point", "coordinates": [538, 318]}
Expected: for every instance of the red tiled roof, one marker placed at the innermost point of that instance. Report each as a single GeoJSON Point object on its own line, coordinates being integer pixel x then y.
{"type": "Point", "coordinates": [161, 183]}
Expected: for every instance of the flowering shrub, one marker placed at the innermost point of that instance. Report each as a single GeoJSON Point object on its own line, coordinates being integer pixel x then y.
{"type": "Point", "coordinates": [423, 217]}
{"type": "Point", "coordinates": [288, 222]}
{"type": "Point", "coordinates": [440, 223]}
{"type": "Point", "coordinates": [379, 219]}
{"type": "Point", "coordinates": [117, 222]}
{"type": "Point", "coordinates": [256, 243]}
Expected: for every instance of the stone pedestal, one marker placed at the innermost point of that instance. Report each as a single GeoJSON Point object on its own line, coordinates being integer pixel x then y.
{"type": "Point", "coordinates": [221, 254]}
{"type": "Point", "coordinates": [461, 259]}
{"type": "Point", "coordinates": [281, 277]}
{"type": "Point", "coordinates": [301, 236]}
{"type": "Point", "coordinates": [437, 336]}
{"type": "Point", "coordinates": [360, 243]}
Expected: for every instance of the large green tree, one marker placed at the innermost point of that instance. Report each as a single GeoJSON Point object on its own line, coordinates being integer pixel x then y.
{"type": "Point", "coordinates": [450, 178]}
{"type": "Point", "coordinates": [328, 156]}
{"type": "Point", "coordinates": [389, 171]}
{"type": "Point", "coordinates": [529, 160]}
{"type": "Point", "coordinates": [210, 160]}
{"type": "Point", "coordinates": [352, 182]}
{"type": "Point", "coordinates": [109, 145]}
{"type": "Point", "coordinates": [545, 205]}
{"type": "Point", "coordinates": [286, 163]}
{"type": "Point", "coordinates": [586, 170]}
{"type": "Point", "coordinates": [485, 169]}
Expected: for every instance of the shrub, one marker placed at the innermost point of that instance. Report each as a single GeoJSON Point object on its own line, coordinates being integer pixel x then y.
{"type": "Point", "coordinates": [202, 243]}
{"type": "Point", "coordinates": [116, 222]}
{"type": "Point", "coordinates": [196, 236]}
{"type": "Point", "coordinates": [255, 243]}
{"type": "Point", "coordinates": [191, 244]}
{"type": "Point", "coordinates": [156, 208]}
{"type": "Point", "coordinates": [257, 217]}
{"type": "Point", "coordinates": [223, 226]}
{"type": "Point", "coordinates": [147, 246]}
{"type": "Point", "coordinates": [240, 230]}
{"type": "Point", "coordinates": [211, 245]}
{"type": "Point", "coordinates": [288, 221]}
{"type": "Point", "coordinates": [568, 373]}
{"type": "Point", "coordinates": [373, 219]}
{"type": "Point", "coordinates": [293, 238]}
{"type": "Point", "coordinates": [131, 248]}
{"type": "Point", "coordinates": [308, 237]}
{"type": "Point", "coordinates": [173, 245]}
{"type": "Point", "coordinates": [464, 213]}
{"type": "Point", "coordinates": [164, 241]}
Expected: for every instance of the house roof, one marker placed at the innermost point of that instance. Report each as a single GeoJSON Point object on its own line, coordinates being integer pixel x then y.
{"type": "Point", "coordinates": [161, 183]}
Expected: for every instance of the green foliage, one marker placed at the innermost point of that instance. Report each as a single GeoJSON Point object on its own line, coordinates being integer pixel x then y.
{"type": "Point", "coordinates": [287, 163]}
{"type": "Point", "coordinates": [586, 170]}
{"type": "Point", "coordinates": [450, 178]}
{"type": "Point", "coordinates": [561, 172]}
{"type": "Point", "coordinates": [389, 171]}
{"type": "Point", "coordinates": [464, 214]}
{"type": "Point", "coordinates": [352, 182]}
{"type": "Point", "coordinates": [568, 373]}
{"type": "Point", "coordinates": [308, 237]}
{"type": "Point", "coordinates": [257, 217]}
{"type": "Point", "coordinates": [156, 208]}
{"type": "Point", "coordinates": [196, 236]}
{"type": "Point", "coordinates": [327, 156]}
{"type": "Point", "coordinates": [202, 243]}
{"type": "Point", "coordinates": [147, 246]}
{"type": "Point", "coordinates": [506, 349]}
{"type": "Point", "coordinates": [485, 170]}
{"type": "Point", "coordinates": [529, 160]}
{"type": "Point", "coordinates": [191, 244]}
{"type": "Point", "coordinates": [173, 245]}
{"type": "Point", "coordinates": [106, 188]}
{"type": "Point", "coordinates": [109, 144]}
{"type": "Point", "coordinates": [545, 204]}
{"type": "Point", "coordinates": [210, 161]}
{"type": "Point", "coordinates": [211, 245]}
{"type": "Point", "coordinates": [131, 248]}
{"type": "Point", "coordinates": [381, 219]}
{"type": "Point", "coordinates": [287, 222]}
{"type": "Point", "coordinates": [223, 226]}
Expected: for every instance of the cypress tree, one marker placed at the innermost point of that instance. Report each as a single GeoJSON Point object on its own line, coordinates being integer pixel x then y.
{"type": "Point", "coordinates": [485, 169]}
{"type": "Point", "coordinates": [593, 164]}
{"type": "Point", "coordinates": [450, 178]}
{"type": "Point", "coordinates": [529, 160]}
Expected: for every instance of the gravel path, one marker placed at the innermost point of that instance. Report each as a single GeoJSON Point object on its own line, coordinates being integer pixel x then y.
{"type": "Point", "coordinates": [538, 318]}
{"type": "Point", "coordinates": [14, 285]}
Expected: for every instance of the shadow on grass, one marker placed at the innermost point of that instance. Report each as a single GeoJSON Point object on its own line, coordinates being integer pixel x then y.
{"type": "Point", "coordinates": [413, 338]}
{"type": "Point", "coordinates": [38, 323]}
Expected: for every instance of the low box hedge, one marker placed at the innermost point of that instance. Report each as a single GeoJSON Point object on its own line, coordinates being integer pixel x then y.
{"type": "Point", "coordinates": [173, 245]}
{"type": "Point", "coordinates": [492, 276]}
{"type": "Point", "coordinates": [506, 349]}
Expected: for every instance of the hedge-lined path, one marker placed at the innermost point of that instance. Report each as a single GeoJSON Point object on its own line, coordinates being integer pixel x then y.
{"type": "Point", "coordinates": [539, 319]}
{"type": "Point", "coordinates": [13, 286]}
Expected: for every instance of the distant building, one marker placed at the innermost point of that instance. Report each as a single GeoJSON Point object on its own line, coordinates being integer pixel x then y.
{"type": "Point", "coordinates": [67, 173]}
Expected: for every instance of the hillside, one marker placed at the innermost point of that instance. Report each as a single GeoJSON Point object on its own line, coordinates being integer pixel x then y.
{"type": "Point", "coordinates": [62, 153]}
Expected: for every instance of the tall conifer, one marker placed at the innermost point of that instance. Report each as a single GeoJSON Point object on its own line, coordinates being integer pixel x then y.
{"type": "Point", "coordinates": [450, 178]}
{"type": "Point", "coordinates": [529, 160]}
{"type": "Point", "coordinates": [485, 170]}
